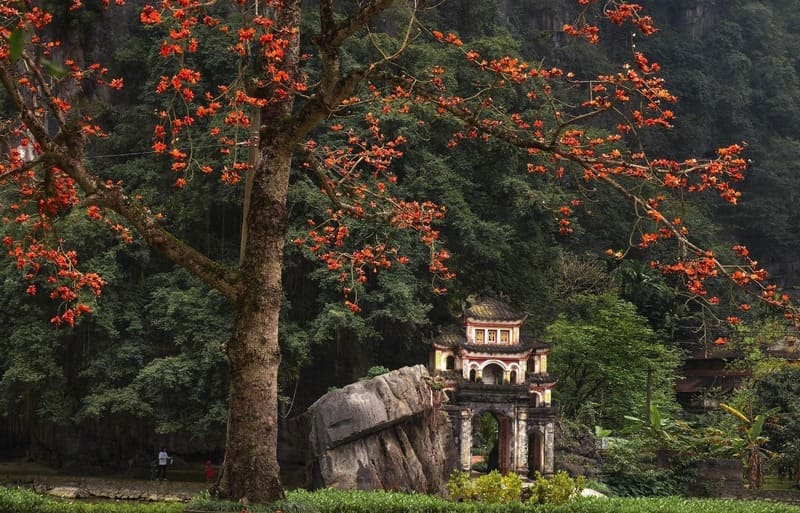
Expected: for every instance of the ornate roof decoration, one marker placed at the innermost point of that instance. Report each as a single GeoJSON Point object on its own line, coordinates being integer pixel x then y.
{"type": "Point", "coordinates": [496, 348]}
{"type": "Point", "coordinates": [490, 309]}
{"type": "Point", "coordinates": [523, 346]}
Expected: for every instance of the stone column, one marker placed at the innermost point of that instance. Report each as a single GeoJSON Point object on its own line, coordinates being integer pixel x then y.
{"type": "Point", "coordinates": [521, 445]}
{"type": "Point", "coordinates": [549, 448]}
{"type": "Point", "coordinates": [466, 440]}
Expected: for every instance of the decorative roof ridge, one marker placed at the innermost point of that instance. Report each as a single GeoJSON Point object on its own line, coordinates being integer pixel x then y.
{"type": "Point", "coordinates": [490, 309]}
{"type": "Point", "coordinates": [498, 348]}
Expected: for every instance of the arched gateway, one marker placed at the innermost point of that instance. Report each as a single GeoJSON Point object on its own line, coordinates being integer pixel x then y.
{"type": "Point", "coordinates": [488, 366]}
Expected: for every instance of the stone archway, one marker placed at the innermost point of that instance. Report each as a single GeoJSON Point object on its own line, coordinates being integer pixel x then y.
{"type": "Point", "coordinates": [536, 451]}
{"type": "Point", "coordinates": [502, 457]}
{"type": "Point", "coordinates": [524, 444]}
{"type": "Point", "coordinates": [485, 442]}
{"type": "Point", "coordinates": [541, 448]}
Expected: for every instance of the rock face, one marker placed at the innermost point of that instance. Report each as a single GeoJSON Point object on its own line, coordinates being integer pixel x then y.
{"type": "Point", "coordinates": [68, 492]}
{"type": "Point", "coordinates": [384, 433]}
{"type": "Point", "coordinates": [121, 489]}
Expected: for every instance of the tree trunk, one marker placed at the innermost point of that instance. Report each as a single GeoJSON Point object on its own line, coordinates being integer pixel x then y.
{"type": "Point", "coordinates": [251, 468]}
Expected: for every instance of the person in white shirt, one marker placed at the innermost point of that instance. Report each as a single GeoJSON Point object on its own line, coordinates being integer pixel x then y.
{"type": "Point", "coordinates": [163, 461]}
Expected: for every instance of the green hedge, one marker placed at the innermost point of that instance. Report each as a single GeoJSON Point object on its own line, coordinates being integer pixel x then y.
{"type": "Point", "coordinates": [15, 500]}
{"type": "Point", "coordinates": [333, 501]}
{"type": "Point", "coordinates": [19, 500]}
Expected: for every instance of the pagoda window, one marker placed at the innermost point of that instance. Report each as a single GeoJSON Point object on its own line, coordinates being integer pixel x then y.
{"type": "Point", "coordinates": [505, 336]}
{"type": "Point", "coordinates": [479, 336]}
{"type": "Point", "coordinates": [492, 336]}
{"type": "Point", "coordinates": [450, 362]}
{"type": "Point", "coordinates": [473, 375]}
{"type": "Point", "coordinates": [513, 377]}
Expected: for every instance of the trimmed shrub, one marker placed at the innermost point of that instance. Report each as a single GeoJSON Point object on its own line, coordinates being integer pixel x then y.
{"type": "Point", "coordinates": [558, 490]}
{"type": "Point", "coordinates": [491, 488]}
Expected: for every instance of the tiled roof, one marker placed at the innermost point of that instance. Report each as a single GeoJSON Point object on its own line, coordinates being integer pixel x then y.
{"type": "Point", "coordinates": [541, 378]}
{"type": "Point", "coordinates": [490, 309]}
{"type": "Point", "coordinates": [454, 337]}
{"type": "Point", "coordinates": [496, 348]}
{"type": "Point", "coordinates": [450, 338]}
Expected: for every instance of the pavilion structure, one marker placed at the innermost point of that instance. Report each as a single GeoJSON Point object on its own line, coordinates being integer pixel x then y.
{"type": "Point", "coordinates": [489, 365]}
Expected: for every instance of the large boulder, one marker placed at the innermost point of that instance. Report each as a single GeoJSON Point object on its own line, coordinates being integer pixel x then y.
{"type": "Point", "coordinates": [386, 433]}
{"type": "Point", "coordinates": [67, 492]}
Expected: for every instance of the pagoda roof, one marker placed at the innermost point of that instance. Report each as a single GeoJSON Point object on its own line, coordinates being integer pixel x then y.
{"type": "Point", "coordinates": [523, 346]}
{"type": "Point", "coordinates": [450, 338]}
{"type": "Point", "coordinates": [490, 309]}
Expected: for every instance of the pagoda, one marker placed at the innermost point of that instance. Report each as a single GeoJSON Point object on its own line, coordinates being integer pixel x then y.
{"type": "Point", "coordinates": [488, 364]}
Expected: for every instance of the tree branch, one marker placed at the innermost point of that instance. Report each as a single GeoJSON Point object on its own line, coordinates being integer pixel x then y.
{"type": "Point", "coordinates": [341, 31]}
{"type": "Point", "coordinates": [206, 269]}
{"type": "Point", "coordinates": [325, 183]}
{"type": "Point", "coordinates": [328, 188]}
{"type": "Point", "coordinates": [46, 90]}
{"type": "Point", "coordinates": [333, 87]}
{"type": "Point", "coordinates": [66, 153]}
{"type": "Point", "coordinates": [32, 123]}
{"type": "Point", "coordinates": [321, 105]}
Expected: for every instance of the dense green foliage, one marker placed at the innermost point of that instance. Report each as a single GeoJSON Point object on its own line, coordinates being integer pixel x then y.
{"type": "Point", "coordinates": [605, 355]}
{"type": "Point", "coordinates": [760, 419]}
{"type": "Point", "coordinates": [780, 390]}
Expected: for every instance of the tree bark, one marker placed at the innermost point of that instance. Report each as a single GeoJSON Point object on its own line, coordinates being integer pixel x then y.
{"type": "Point", "coordinates": [251, 468]}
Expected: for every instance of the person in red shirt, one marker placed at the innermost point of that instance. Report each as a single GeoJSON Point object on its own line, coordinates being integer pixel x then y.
{"type": "Point", "coordinates": [209, 472]}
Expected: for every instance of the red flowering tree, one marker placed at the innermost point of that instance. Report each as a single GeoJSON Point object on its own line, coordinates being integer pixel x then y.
{"type": "Point", "coordinates": [264, 119]}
